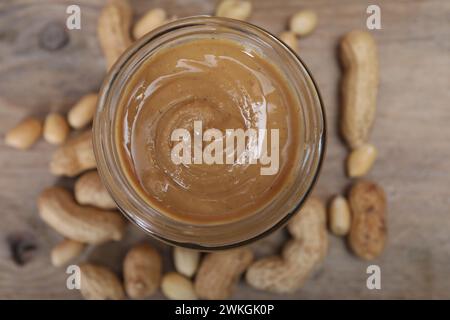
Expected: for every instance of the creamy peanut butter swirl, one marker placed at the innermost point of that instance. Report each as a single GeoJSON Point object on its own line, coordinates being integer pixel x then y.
{"type": "Point", "coordinates": [223, 86]}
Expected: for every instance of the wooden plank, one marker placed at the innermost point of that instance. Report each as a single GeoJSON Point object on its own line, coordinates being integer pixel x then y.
{"type": "Point", "coordinates": [412, 134]}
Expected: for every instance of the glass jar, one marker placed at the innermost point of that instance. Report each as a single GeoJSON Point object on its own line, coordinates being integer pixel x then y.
{"type": "Point", "coordinates": [226, 235]}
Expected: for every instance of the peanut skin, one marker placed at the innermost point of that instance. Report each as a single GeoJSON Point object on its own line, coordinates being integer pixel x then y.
{"type": "Point", "coordinates": [149, 21]}
{"type": "Point", "coordinates": [100, 283]}
{"type": "Point", "coordinates": [89, 190]}
{"type": "Point", "coordinates": [74, 157]}
{"type": "Point", "coordinates": [358, 52]}
{"type": "Point", "coordinates": [220, 271]}
{"type": "Point", "coordinates": [367, 236]}
{"type": "Point", "coordinates": [300, 256]}
{"type": "Point", "coordinates": [84, 224]}
{"type": "Point", "coordinates": [142, 271]}
{"type": "Point", "coordinates": [113, 29]}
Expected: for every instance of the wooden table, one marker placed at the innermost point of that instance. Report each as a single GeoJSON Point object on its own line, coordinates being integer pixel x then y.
{"type": "Point", "coordinates": [412, 132]}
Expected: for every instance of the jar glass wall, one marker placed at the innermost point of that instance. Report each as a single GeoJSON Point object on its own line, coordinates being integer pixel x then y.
{"type": "Point", "coordinates": [227, 234]}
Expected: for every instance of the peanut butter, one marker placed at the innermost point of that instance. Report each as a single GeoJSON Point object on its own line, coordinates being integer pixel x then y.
{"type": "Point", "coordinates": [197, 86]}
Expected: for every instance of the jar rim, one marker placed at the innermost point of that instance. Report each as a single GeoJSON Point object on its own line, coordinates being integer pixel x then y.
{"type": "Point", "coordinates": [103, 147]}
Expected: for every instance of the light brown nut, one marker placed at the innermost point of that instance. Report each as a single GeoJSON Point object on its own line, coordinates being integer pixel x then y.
{"type": "Point", "coordinates": [273, 274]}
{"type": "Point", "coordinates": [186, 261]}
{"type": "Point", "coordinates": [309, 226]}
{"type": "Point", "coordinates": [368, 232]}
{"type": "Point", "coordinates": [303, 22]}
{"type": "Point", "coordinates": [142, 271]}
{"type": "Point", "coordinates": [340, 216]}
{"type": "Point", "coordinates": [149, 21]}
{"type": "Point", "coordinates": [219, 272]}
{"type": "Point", "coordinates": [359, 86]}
{"type": "Point", "coordinates": [309, 220]}
{"type": "Point", "coordinates": [113, 29]}
{"type": "Point", "coordinates": [74, 157]}
{"type": "Point", "coordinates": [25, 134]}
{"type": "Point", "coordinates": [89, 190]}
{"type": "Point", "coordinates": [100, 283]}
{"type": "Point", "coordinates": [82, 113]}
{"type": "Point", "coordinates": [84, 224]}
{"type": "Point", "coordinates": [234, 9]}
{"type": "Point", "coordinates": [56, 128]}
{"type": "Point", "coordinates": [66, 251]}
{"type": "Point", "coordinates": [300, 256]}
{"type": "Point", "coordinates": [361, 160]}
{"type": "Point", "coordinates": [290, 39]}
{"type": "Point", "coordinates": [177, 287]}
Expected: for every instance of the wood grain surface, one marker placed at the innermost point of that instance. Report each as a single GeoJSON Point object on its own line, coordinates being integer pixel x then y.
{"type": "Point", "coordinates": [412, 133]}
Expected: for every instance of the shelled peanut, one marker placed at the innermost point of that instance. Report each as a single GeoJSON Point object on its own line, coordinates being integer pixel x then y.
{"type": "Point", "coordinates": [303, 22]}
{"type": "Point", "coordinates": [25, 134]}
{"type": "Point", "coordinates": [66, 251]}
{"type": "Point", "coordinates": [290, 39]}
{"type": "Point", "coordinates": [186, 261]}
{"type": "Point", "coordinates": [149, 21]}
{"type": "Point", "coordinates": [178, 287]}
{"type": "Point", "coordinates": [361, 160]}
{"type": "Point", "coordinates": [234, 9]}
{"type": "Point", "coordinates": [82, 113]}
{"type": "Point", "coordinates": [56, 128]}
{"type": "Point", "coordinates": [339, 216]}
